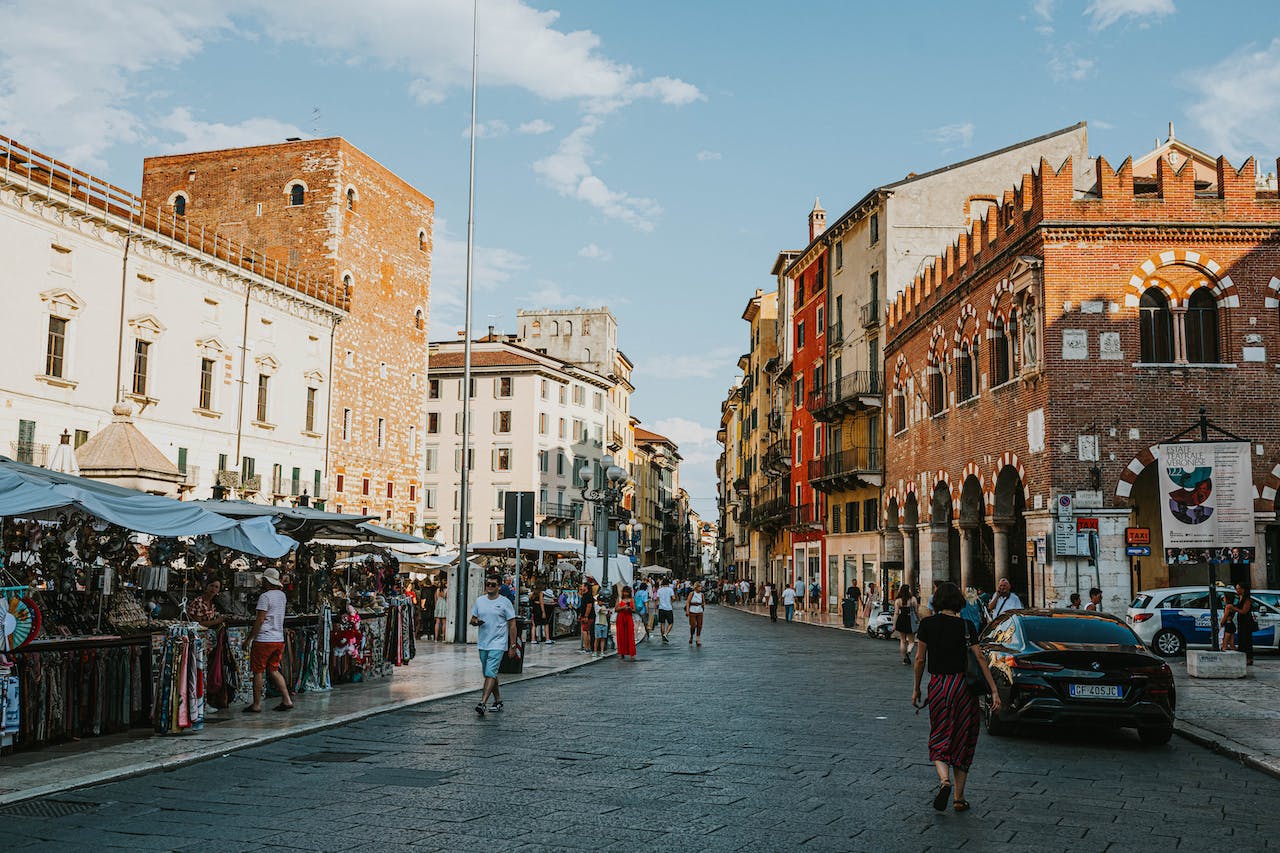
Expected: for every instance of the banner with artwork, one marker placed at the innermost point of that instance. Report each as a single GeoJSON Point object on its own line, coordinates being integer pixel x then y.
{"type": "Point", "coordinates": [1206, 502]}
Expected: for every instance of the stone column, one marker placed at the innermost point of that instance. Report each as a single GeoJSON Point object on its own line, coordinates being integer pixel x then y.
{"type": "Point", "coordinates": [909, 568]}
{"type": "Point", "coordinates": [966, 554]}
{"type": "Point", "coordinates": [925, 554]}
{"type": "Point", "coordinates": [1000, 527]}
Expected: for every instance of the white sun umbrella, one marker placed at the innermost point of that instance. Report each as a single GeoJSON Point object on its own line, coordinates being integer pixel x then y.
{"type": "Point", "coordinates": [64, 457]}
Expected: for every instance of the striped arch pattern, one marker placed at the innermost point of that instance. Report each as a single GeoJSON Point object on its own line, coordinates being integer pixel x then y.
{"type": "Point", "coordinates": [967, 313]}
{"type": "Point", "coordinates": [1223, 288]}
{"type": "Point", "coordinates": [994, 311]}
{"type": "Point", "coordinates": [941, 476]}
{"type": "Point", "coordinates": [891, 495]}
{"type": "Point", "coordinates": [932, 361]}
{"type": "Point", "coordinates": [901, 373]}
{"type": "Point", "coordinates": [988, 489]}
{"type": "Point", "coordinates": [1011, 460]}
{"type": "Point", "coordinates": [1273, 301]}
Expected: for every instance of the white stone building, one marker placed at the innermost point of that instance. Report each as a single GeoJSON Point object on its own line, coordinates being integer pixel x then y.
{"type": "Point", "coordinates": [535, 420]}
{"type": "Point", "coordinates": [224, 368]}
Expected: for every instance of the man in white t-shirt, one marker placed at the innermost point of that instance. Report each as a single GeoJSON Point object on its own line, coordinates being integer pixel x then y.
{"type": "Point", "coordinates": [495, 616]}
{"type": "Point", "coordinates": [666, 609]}
{"type": "Point", "coordinates": [789, 601]}
{"type": "Point", "coordinates": [267, 639]}
{"type": "Point", "coordinates": [1004, 600]}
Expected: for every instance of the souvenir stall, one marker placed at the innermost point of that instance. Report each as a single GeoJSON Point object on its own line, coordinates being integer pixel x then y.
{"type": "Point", "coordinates": [554, 563]}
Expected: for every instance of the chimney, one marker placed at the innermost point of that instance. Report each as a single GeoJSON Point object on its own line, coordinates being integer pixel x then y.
{"type": "Point", "coordinates": [817, 220]}
{"type": "Point", "coordinates": [491, 333]}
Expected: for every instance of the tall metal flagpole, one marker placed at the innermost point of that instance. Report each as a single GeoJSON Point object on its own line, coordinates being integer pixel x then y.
{"type": "Point", "coordinates": [463, 608]}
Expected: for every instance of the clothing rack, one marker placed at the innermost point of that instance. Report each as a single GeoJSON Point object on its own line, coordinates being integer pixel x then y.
{"type": "Point", "coordinates": [180, 685]}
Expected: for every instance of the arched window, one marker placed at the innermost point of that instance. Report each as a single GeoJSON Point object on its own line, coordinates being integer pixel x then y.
{"type": "Point", "coordinates": [937, 391]}
{"type": "Point", "coordinates": [964, 373]}
{"type": "Point", "coordinates": [900, 410]}
{"type": "Point", "coordinates": [422, 241]}
{"type": "Point", "coordinates": [555, 328]}
{"type": "Point", "coordinates": [586, 353]}
{"type": "Point", "coordinates": [351, 198]}
{"type": "Point", "coordinates": [180, 204]}
{"type": "Point", "coordinates": [419, 322]}
{"type": "Point", "coordinates": [999, 354]}
{"type": "Point", "coordinates": [568, 328]}
{"type": "Point", "coordinates": [297, 194]}
{"type": "Point", "coordinates": [1202, 327]}
{"type": "Point", "coordinates": [348, 283]}
{"type": "Point", "coordinates": [1157, 327]}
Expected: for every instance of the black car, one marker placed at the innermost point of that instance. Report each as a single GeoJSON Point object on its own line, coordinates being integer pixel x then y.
{"type": "Point", "coordinates": [1058, 667]}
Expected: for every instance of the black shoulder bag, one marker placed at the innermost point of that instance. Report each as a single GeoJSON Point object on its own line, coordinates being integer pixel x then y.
{"type": "Point", "coordinates": [973, 676]}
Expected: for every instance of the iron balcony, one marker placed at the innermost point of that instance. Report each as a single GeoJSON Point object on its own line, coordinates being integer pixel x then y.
{"type": "Point", "coordinates": [861, 390]}
{"type": "Point", "coordinates": [847, 469]}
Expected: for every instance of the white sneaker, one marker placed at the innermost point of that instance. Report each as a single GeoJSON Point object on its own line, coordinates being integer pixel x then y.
{"type": "Point", "coordinates": [551, 642]}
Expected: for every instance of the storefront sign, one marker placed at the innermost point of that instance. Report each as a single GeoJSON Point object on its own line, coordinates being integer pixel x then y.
{"type": "Point", "coordinates": [1206, 501]}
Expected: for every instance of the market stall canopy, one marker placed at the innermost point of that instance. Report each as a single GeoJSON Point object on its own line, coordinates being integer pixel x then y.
{"type": "Point", "coordinates": [648, 571]}
{"type": "Point", "coordinates": [120, 454]}
{"type": "Point", "coordinates": [256, 536]}
{"type": "Point", "coordinates": [374, 533]}
{"type": "Point", "coordinates": [302, 523]}
{"type": "Point", "coordinates": [543, 544]}
{"type": "Point", "coordinates": [26, 490]}
{"type": "Point", "coordinates": [402, 559]}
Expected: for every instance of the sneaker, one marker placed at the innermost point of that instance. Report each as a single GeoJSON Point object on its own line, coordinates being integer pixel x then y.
{"type": "Point", "coordinates": [550, 642]}
{"type": "Point", "coordinates": [583, 652]}
{"type": "Point", "coordinates": [537, 642]}
{"type": "Point", "coordinates": [480, 709]}
{"type": "Point", "coordinates": [665, 640]}
{"type": "Point", "coordinates": [495, 707]}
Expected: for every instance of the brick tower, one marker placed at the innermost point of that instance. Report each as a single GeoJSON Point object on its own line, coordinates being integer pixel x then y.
{"type": "Point", "coordinates": [329, 210]}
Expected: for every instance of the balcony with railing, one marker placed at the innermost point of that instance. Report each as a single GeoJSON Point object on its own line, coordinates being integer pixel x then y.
{"type": "Point", "coordinates": [774, 420]}
{"type": "Point", "coordinates": [861, 390]}
{"type": "Point", "coordinates": [30, 453]}
{"type": "Point", "coordinates": [770, 509]}
{"type": "Point", "coordinates": [871, 314]}
{"type": "Point", "coordinates": [567, 510]}
{"type": "Point", "coordinates": [847, 469]}
{"type": "Point", "coordinates": [805, 516]}
{"type": "Point", "coordinates": [777, 457]}
{"type": "Point", "coordinates": [190, 477]}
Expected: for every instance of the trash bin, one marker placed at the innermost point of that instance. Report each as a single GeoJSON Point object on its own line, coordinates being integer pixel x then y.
{"type": "Point", "coordinates": [849, 612]}
{"type": "Point", "coordinates": [514, 664]}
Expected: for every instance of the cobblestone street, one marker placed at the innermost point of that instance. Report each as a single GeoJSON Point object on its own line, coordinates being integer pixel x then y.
{"type": "Point", "coordinates": [770, 737]}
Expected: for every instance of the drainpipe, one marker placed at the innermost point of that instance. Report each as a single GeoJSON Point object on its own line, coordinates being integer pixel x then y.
{"type": "Point", "coordinates": [328, 423]}
{"type": "Point", "coordinates": [244, 358]}
{"type": "Point", "coordinates": [124, 289]}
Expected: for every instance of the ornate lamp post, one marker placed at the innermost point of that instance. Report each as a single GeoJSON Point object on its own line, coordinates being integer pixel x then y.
{"type": "Point", "coordinates": [606, 501]}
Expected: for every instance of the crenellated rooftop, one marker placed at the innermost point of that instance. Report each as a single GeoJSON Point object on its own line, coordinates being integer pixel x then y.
{"type": "Point", "coordinates": [1047, 197]}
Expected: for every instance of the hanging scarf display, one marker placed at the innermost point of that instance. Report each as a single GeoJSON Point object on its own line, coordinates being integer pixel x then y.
{"type": "Point", "coordinates": [398, 640]}
{"type": "Point", "coordinates": [223, 676]}
{"type": "Point", "coordinates": [180, 684]}
{"type": "Point", "coordinates": [79, 692]}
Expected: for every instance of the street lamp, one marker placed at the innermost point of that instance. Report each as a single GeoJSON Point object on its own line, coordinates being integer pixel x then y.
{"type": "Point", "coordinates": [606, 501]}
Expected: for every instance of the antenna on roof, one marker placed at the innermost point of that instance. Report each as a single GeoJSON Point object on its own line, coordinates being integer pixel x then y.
{"type": "Point", "coordinates": [1171, 136]}
{"type": "Point", "coordinates": [315, 121]}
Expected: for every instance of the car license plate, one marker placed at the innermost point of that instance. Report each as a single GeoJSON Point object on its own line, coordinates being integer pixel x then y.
{"type": "Point", "coordinates": [1094, 691]}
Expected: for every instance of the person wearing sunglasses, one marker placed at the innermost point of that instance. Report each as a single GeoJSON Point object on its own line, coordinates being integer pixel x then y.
{"type": "Point", "coordinates": [495, 616]}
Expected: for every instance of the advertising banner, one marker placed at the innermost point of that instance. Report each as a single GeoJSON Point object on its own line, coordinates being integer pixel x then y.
{"type": "Point", "coordinates": [1206, 502]}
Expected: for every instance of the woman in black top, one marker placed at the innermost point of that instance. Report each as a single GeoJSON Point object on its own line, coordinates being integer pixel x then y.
{"type": "Point", "coordinates": [946, 640]}
{"type": "Point", "coordinates": [1242, 610]}
{"type": "Point", "coordinates": [904, 608]}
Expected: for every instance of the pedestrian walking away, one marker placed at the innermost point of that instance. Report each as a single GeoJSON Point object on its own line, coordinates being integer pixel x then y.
{"type": "Point", "coordinates": [789, 602]}
{"type": "Point", "coordinates": [442, 610]}
{"type": "Point", "coordinates": [694, 606]}
{"type": "Point", "coordinates": [626, 624]}
{"type": "Point", "coordinates": [495, 617]}
{"type": "Point", "coordinates": [815, 596]}
{"type": "Point", "coordinates": [267, 640]}
{"type": "Point", "coordinates": [906, 615]}
{"type": "Point", "coordinates": [666, 609]}
{"type": "Point", "coordinates": [946, 640]}
{"type": "Point", "coordinates": [771, 601]}
{"type": "Point", "coordinates": [643, 605]}
{"type": "Point", "coordinates": [1004, 600]}
{"type": "Point", "coordinates": [586, 618]}
{"type": "Point", "coordinates": [538, 613]}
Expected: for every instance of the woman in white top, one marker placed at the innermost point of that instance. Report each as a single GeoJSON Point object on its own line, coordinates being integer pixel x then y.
{"type": "Point", "coordinates": [693, 606]}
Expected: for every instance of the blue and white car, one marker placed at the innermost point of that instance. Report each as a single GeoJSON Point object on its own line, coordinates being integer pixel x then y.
{"type": "Point", "coordinates": [1174, 619]}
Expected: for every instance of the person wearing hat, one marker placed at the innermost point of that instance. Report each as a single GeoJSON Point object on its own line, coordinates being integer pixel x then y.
{"type": "Point", "coordinates": [267, 639]}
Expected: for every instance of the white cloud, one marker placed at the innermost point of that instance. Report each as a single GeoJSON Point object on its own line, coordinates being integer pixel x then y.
{"type": "Point", "coordinates": [1107, 12]}
{"type": "Point", "coordinates": [66, 82]}
{"type": "Point", "coordinates": [952, 136]}
{"type": "Point", "coordinates": [1043, 11]}
{"type": "Point", "coordinates": [569, 173]}
{"type": "Point", "coordinates": [488, 129]}
{"type": "Point", "coordinates": [537, 127]}
{"type": "Point", "coordinates": [1065, 65]}
{"type": "Point", "coordinates": [685, 432]}
{"type": "Point", "coordinates": [549, 294]}
{"type": "Point", "coordinates": [196, 135]}
{"type": "Point", "coordinates": [1238, 101]}
{"type": "Point", "coordinates": [699, 451]}
{"type": "Point", "coordinates": [717, 362]}
{"type": "Point", "coordinates": [493, 267]}
{"type": "Point", "coordinates": [595, 253]}
{"type": "Point", "coordinates": [704, 155]}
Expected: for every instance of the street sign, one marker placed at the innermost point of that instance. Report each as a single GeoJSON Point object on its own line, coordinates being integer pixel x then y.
{"type": "Point", "coordinates": [1064, 539]}
{"type": "Point", "coordinates": [1138, 551]}
{"type": "Point", "coordinates": [1137, 536]}
{"type": "Point", "coordinates": [1066, 506]}
{"type": "Point", "coordinates": [1086, 524]}
{"type": "Point", "coordinates": [1042, 550]}
{"type": "Point", "coordinates": [518, 518]}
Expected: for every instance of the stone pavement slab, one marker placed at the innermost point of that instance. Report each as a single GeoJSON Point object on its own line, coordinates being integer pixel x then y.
{"type": "Point", "coordinates": [769, 737]}
{"type": "Point", "coordinates": [439, 671]}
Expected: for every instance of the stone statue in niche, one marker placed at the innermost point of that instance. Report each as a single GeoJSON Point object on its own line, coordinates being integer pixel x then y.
{"type": "Point", "coordinates": [1029, 351]}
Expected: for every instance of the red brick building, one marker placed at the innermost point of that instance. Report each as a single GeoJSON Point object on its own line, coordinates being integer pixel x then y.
{"type": "Point", "coordinates": [809, 273]}
{"type": "Point", "coordinates": [326, 208]}
{"type": "Point", "coordinates": [1053, 345]}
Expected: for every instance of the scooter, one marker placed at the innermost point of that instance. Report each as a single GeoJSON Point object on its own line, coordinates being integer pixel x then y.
{"type": "Point", "coordinates": [880, 622]}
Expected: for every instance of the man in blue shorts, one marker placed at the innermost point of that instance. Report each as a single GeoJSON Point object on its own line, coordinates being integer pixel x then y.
{"type": "Point", "coordinates": [495, 616]}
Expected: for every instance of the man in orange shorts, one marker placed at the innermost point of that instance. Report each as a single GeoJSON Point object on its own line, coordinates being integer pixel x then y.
{"type": "Point", "coordinates": [267, 638]}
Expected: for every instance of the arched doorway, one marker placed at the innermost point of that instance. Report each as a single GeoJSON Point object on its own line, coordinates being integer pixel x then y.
{"type": "Point", "coordinates": [975, 537]}
{"type": "Point", "coordinates": [945, 537]}
{"type": "Point", "coordinates": [1009, 535]}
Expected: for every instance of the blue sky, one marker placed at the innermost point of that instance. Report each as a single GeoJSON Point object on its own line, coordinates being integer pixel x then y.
{"type": "Point", "coordinates": [651, 156]}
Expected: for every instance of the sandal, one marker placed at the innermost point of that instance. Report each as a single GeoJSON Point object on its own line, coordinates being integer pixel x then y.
{"type": "Point", "coordinates": [940, 798]}
{"type": "Point", "coordinates": [249, 709]}
{"type": "Point", "coordinates": [961, 805]}
{"type": "Point", "coordinates": [282, 707]}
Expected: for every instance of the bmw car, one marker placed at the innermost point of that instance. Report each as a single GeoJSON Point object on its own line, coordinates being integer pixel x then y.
{"type": "Point", "coordinates": [1173, 620]}
{"type": "Point", "coordinates": [1067, 667]}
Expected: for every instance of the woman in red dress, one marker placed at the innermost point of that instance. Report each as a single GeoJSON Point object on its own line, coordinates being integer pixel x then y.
{"type": "Point", "coordinates": [626, 625]}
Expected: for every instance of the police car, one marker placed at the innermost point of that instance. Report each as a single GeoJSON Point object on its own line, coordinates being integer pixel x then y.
{"type": "Point", "coordinates": [1177, 618]}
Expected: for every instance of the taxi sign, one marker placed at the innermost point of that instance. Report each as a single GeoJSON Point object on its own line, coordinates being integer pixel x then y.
{"type": "Point", "coordinates": [1086, 524]}
{"type": "Point", "coordinates": [1137, 536]}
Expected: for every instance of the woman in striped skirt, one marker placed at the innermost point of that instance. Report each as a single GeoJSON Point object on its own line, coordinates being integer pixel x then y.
{"type": "Point", "coordinates": [944, 641]}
